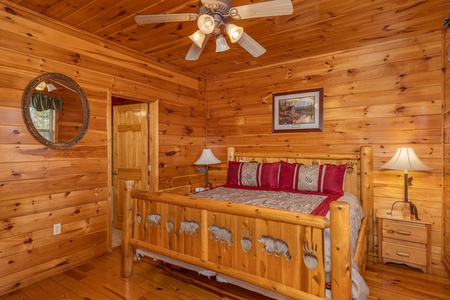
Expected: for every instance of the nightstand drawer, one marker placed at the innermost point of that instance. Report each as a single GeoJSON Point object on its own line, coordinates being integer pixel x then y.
{"type": "Point", "coordinates": [410, 232]}
{"type": "Point", "coordinates": [403, 239]}
{"type": "Point", "coordinates": [404, 253]}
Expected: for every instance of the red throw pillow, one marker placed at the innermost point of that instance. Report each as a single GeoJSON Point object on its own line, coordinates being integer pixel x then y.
{"type": "Point", "coordinates": [333, 179]}
{"type": "Point", "coordinates": [313, 178]}
{"type": "Point", "coordinates": [253, 174]}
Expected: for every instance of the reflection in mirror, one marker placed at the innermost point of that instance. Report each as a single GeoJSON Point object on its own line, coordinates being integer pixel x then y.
{"type": "Point", "coordinates": [55, 110]}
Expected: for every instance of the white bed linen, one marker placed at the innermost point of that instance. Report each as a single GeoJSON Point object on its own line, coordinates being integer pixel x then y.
{"type": "Point", "coordinates": [356, 217]}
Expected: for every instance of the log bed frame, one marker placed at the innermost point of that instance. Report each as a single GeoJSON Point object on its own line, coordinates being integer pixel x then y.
{"type": "Point", "coordinates": [291, 278]}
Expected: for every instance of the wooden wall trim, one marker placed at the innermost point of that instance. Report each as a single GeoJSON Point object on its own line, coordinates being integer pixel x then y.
{"type": "Point", "coordinates": [446, 150]}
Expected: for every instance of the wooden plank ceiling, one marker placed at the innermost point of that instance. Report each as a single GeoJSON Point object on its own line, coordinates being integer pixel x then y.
{"type": "Point", "coordinates": [316, 27]}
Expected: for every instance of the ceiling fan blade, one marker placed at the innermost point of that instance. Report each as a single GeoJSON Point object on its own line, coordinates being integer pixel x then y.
{"type": "Point", "coordinates": [162, 18]}
{"type": "Point", "coordinates": [195, 51]}
{"type": "Point", "coordinates": [263, 9]}
{"type": "Point", "coordinates": [252, 46]}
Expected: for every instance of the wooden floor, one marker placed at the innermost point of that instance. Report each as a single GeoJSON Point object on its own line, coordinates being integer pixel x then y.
{"type": "Point", "coordinates": [100, 279]}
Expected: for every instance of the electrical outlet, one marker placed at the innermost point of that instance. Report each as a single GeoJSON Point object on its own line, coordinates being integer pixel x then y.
{"type": "Point", "coordinates": [56, 229]}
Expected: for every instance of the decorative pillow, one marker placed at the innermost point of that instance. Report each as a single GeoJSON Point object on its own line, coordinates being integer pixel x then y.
{"type": "Point", "coordinates": [313, 178]}
{"type": "Point", "coordinates": [253, 174]}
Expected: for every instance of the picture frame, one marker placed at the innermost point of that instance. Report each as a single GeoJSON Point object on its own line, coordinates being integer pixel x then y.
{"type": "Point", "coordinates": [298, 111]}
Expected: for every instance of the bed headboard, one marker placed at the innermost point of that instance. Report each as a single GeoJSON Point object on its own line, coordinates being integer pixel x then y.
{"type": "Point", "coordinates": [358, 179]}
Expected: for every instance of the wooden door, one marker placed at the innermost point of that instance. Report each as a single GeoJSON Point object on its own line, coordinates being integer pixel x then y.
{"type": "Point", "coordinates": [130, 153]}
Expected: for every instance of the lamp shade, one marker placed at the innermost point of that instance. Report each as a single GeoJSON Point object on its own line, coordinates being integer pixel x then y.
{"type": "Point", "coordinates": [206, 24]}
{"type": "Point", "coordinates": [207, 158]}
{"type": "Point", "coordinates": [406, 159]}
{"type": "Point", "coordinates": [198, 37]}
{"type": "Point", "coordinates": [41, 86]}
{"type": "Point", "coordinates": [234, 32]}
{"type": "Point", "coordinates": [221, 44]}
{"type": "Point", "coordinates": [50, 87]}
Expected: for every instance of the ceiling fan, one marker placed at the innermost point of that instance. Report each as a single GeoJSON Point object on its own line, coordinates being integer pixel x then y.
{"type": "Point", "coordinates": [215, 13]}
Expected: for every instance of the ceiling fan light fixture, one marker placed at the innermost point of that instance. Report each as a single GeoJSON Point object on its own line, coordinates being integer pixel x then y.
{"type": "Point", "coordinates": [234, 32]}
{"type": "Point", "coordinates": [198, 37]}
{"type": "Point", "coordinates": [206, 24]}
{"type": "Point", "coordinates": [221, 44]}
{"type": "Point", "coordinates": [41, 86]}
{"type": "Point", "coordinates": [50, 87]}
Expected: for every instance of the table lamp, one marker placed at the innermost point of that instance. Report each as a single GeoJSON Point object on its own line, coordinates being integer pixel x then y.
{"type": "Point", "coordinates": [406, 159]}
{"type": "Point", "coordinates": [207, 158]}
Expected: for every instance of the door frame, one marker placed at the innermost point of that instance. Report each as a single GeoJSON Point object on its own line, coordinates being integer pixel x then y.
{"type": "Point", "coordinates": [153, 146]}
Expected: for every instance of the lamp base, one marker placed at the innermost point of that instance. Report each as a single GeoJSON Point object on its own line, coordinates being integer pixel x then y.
{"type": "Point", "coordinates": [413, 208]}
{"type": "Point", "coordinates": [207, 179]}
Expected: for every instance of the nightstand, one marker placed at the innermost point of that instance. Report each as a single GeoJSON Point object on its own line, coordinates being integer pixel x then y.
{"type": "Point", "coordinates": [404, 240]}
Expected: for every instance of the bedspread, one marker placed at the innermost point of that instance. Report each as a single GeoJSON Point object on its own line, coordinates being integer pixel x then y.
{"type": "Point", "coordinates": [308, 203]}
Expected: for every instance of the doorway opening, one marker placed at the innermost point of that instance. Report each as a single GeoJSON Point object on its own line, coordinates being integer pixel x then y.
{"type": "Point", "coordinates": [133, 127]}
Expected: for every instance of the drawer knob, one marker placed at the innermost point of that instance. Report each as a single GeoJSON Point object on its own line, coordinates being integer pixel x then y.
{"type": "Point", "coordinates": [403, 254]}
{"type": "Point", "coordinates": [403, 232]}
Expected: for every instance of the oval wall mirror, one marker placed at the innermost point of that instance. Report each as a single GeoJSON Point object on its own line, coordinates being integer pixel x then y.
{"type": "Point", "coordinates": [55, 110]}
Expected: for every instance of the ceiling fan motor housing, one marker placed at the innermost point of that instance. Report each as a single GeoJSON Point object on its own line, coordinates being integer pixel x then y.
{"type": "Point", "coordinates": [220, 13]}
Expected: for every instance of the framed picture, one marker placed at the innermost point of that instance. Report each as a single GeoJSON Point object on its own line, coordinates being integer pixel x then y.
{"type": "Point", "coordinates": [298, 111]}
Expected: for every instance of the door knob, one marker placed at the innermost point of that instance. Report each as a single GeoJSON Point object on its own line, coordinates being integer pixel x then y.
{"type": "Point", "coordinates": [115, 173]}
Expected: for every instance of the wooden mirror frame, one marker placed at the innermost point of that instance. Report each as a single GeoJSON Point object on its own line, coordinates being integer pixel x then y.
{"type": "Point", "coordinates": [26, 103]}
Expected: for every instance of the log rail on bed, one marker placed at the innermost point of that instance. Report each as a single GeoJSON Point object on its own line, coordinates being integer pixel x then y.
{"type": "Point", "coordinates": [178, 227]}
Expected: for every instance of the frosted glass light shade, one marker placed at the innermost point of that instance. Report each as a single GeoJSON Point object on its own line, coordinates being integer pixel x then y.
{"type": "Point", "coordinates": [406, 159]}
{"type": "Point", "coordinates": [234, 32]}
{"type": "Point", "coordinates": [50, 87]}
{"type": "Point", "coordinates": [41, 86]}
{"type": "Point", "coordinates": [206, 24]}
{"type": "Point", "coordinates": [207, 158]}
{"type": "Point", "coordinates": [198, 38]}
{"type": "Point", "coordinates": [221, 44]}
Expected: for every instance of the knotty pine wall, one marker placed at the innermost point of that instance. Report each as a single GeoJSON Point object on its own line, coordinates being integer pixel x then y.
{"type": "Point", "coordinates": [385, 95]}
{"type": "Point", "coordinates": [446, 160]}
{"type": "Point", "coordinates": [39, 186]}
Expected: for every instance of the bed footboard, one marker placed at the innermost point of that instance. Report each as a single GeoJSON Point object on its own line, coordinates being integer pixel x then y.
{"type": "Point", "coordinates": [275, 250]}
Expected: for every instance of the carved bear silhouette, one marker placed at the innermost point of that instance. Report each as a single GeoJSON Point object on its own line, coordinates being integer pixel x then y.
{"type": "Point", "coordinates": [154, 219]}
{"type": "Point", "coordinates": [189, 227]}
{"type": "Point", "coordinates": [277, 246]}
{"type": "Point", "coordinates": [220, 234]}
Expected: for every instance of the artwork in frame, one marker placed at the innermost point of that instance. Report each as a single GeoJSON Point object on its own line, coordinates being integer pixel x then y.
{"type": "Point", "coordinates": [298, 111]}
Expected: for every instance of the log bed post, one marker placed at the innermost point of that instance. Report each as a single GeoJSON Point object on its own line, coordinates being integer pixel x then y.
{"type": "Point", "coordinates": [367, 191]}
{"type": "Point", "coordinates": [127, 229]}
{"type": "Point", "coordinates": [204, 235]}
{"type": "Point", "coordinates": [341, 258]}
{"type": "Point", "coordinates": [231, 154]}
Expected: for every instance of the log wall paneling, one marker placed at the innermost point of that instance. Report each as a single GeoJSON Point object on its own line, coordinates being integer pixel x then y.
{"type": "Point", "coordinates": [446, 158]}
{"type": "Point", "coordinates": [386, 95]}
{"type": "Point", "coordinates": [40, 187]}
